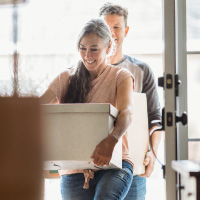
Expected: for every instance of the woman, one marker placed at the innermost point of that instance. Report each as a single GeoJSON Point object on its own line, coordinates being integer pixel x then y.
{"type": "Point", "coordinates": [94, 81]}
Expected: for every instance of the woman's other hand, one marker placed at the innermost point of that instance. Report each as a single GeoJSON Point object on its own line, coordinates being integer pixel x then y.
{"type": "Point", "coordinates": [103, 151]}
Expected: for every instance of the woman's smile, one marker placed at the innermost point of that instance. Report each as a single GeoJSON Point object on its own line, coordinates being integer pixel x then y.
{"type": "Point", "coordinates": [90, 62]}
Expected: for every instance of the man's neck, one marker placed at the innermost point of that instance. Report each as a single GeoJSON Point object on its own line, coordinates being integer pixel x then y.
{"type": "Point", "coordinates": [118, 57]}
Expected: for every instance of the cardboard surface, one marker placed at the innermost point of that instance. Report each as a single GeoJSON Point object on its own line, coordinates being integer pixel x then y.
{"type": "Point", "coordinates": [20, 149]}
{"type": "Point", "coordinates": [72, 132]}
{"type": "Point", "coordinates": [138, 133]}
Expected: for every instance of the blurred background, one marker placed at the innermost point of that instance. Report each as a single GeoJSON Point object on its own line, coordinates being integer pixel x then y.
{"type": "Point", "coordinates": [47, 34]}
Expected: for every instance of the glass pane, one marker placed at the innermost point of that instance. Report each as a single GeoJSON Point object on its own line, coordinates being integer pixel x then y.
{"type": "Point", "coordinates": [193, 25]}
{"type": "Point", "coordinates": [53, 32]}
{"type": "Point", "coordinates": [6, 29]}
{"type": "Point", "coordinates": [6, 49]}
{"type": "Point", "coordinates": [6, 84]}
{"type": "Point", "coordinates": [194, 151]}
{"type": "Point", "coordinates": [145, 33]}
{"type": "Point", "coordinates": [37, 71]}
{"type": "Point", "coordinates": [193, 74]}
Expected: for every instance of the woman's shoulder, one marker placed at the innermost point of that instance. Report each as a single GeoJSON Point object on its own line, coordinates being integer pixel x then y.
{"type": "Point", "coordinates": [120, 74]}
{"type": "Point", "coordinates": [67, 72]}
{"type": "Point", "coordinates": [119, 70]}
{"type": "Point", "coordinates": [64, 74]}
{"type": "Point", "coordinates": [61, 78]}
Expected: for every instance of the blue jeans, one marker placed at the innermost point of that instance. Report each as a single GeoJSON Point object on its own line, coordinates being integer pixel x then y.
{"type": "Point", "coordinates": [106, 185]}
{"type": "Point", "coordinates": [137, 190]}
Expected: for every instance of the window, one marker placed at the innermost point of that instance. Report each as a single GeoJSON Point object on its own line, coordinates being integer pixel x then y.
{"type": "Point", "coordinates": [193, 74]}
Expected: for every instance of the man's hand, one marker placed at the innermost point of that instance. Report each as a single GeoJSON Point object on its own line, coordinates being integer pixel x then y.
{"type": "Point", "coordinates": [149, 162]}
{"type": "Point", "coordinates": [103, 151]}
{"type": "Point", "coordinates": [150, 159]}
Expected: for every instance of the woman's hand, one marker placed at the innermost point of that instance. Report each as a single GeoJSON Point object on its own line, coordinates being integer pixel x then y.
{"type": "Point", "coordinates": [103, 151]}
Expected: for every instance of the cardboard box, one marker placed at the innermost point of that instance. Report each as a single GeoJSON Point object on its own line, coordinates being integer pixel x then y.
{"type": "Point", "coordinates": [138, 133]}
{"type": "Point", "coordinates": [20, 149]}
{"type": "Point", "coordinates": [72, 132]}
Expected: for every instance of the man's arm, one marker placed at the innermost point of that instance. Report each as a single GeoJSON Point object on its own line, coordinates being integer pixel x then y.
{"type": "Point", "coordinates": [149, 87]}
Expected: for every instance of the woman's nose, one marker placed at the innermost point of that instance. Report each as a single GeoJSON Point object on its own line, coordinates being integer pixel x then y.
{"type": "Point", "coordinates": [88, 54]}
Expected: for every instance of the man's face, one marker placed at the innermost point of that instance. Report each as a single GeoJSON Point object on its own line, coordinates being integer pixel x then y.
{"type": "Point", "coordinates": [117, 27]}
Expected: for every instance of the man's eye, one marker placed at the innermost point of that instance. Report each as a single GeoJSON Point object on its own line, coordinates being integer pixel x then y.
{"type": "Point", "coordinates": [83, 49]}
{"type": "Point", "coordinates": [94, 49]}
{"type": "Point", "coordinates": [116, 27]}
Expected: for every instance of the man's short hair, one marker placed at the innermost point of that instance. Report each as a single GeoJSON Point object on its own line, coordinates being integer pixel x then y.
{"type": "Point", "coordinates": [110, 9]}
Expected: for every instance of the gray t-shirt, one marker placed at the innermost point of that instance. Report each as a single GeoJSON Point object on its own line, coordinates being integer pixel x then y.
{"type": "Point", "coordinates": [144, 83]}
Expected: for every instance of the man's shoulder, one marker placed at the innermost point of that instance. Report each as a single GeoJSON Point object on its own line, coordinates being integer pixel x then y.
{"type": "Point", "coordinates": [138, 63]}
{"type": "Point", "coordinates": [135, 63]}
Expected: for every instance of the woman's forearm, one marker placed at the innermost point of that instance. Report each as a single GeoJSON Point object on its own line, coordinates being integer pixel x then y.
{"type": "Point", "coordinates": [123, 121]}
{"type": "Point", "coordinates": [125, 107]}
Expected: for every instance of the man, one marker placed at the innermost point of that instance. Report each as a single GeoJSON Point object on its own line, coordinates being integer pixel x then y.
{"type": "Point", "coordinates": [116, 17]}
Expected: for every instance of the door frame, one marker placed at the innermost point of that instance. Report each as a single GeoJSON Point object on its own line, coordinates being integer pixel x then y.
{"type": "Point", "coordinates": [175, 62]}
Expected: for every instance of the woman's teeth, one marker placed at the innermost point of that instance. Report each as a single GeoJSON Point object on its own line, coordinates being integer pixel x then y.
{"type": "Point", "coordinates": [90, 61]}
